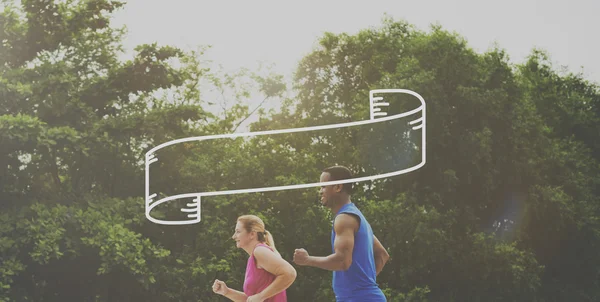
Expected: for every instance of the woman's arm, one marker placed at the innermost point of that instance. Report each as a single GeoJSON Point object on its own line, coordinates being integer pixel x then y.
{"type": "Point", "coordinates": [284, 272]}
{"type": "Point", "coordinates": [219, 287]}
{"type": "Point", "coordinates": [236, 296]}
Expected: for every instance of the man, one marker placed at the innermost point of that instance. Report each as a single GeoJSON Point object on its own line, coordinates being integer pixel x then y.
{"type": "Point", "coordinates": [358, 256]}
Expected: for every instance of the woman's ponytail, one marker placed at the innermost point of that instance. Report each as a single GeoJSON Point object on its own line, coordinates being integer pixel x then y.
{"type": "Point", "coordinates": [269, 240]}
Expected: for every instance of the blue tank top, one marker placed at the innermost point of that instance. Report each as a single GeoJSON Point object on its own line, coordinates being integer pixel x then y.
{"type": "Point", "coordinates": [358, 283]}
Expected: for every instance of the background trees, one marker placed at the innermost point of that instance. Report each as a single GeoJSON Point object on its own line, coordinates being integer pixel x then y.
{"type": "Point", "coordinates": [506, 207]}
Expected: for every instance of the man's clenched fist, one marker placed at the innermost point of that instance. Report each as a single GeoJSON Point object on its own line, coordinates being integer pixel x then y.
{"type": "Point", "coordinates": [301, 257]}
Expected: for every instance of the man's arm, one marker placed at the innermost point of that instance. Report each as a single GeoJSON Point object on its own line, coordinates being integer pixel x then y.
{"type": "Point", "coordinates": [344, 226]}
{"type": "Point", "coordinates": [381, 255]}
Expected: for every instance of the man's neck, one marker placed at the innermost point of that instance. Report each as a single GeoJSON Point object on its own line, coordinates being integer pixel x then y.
{"type": "Point", "coordinates": [339, 205]}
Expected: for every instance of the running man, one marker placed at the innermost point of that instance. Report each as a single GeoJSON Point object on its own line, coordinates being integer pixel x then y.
{"type": "Point", "coordinates": [358, 256]}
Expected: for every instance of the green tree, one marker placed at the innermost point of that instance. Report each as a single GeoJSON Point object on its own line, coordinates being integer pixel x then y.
{"type": "Point", "coordinates": [73, 123]}
{"type": "Point", "coordinates": [505, 209]}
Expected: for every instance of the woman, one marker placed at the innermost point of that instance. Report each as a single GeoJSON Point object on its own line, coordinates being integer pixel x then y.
{"type": "Point", "coordinates": [267, 274]}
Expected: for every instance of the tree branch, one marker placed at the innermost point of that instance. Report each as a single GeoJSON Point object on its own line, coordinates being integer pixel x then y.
{"type": "Point", "coordinates": [249, 115]}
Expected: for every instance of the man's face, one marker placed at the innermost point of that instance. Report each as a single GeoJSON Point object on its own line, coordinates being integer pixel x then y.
{"type": "Point", "coordinates": [328, 193]}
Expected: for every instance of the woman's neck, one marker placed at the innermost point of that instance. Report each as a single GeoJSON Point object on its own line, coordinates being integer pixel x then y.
{"type": "Point", "coordinates": [250, 248]}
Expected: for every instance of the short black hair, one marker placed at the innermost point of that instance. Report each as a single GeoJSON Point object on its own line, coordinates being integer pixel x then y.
{"type": "Point", "coordinates": [340, 173]}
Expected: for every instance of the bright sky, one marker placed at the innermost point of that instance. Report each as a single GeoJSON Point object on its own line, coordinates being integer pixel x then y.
{"type": "Point", "coordinates": [243, 33]}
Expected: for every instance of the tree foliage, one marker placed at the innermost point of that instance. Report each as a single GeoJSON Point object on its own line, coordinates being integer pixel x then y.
{"type": "Point", "coordinates": [505, 209]}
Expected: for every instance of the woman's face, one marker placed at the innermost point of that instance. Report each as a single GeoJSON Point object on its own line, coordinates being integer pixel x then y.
{"type": "Point", "coordinates": [241, 236]}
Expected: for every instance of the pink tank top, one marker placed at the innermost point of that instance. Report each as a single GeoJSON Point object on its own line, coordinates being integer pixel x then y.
{"type": "Point", "coordinates": [257, 279]}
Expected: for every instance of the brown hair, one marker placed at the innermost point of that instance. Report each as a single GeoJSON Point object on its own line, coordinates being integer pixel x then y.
{"type": "Point", "coordinates": [254, 223]}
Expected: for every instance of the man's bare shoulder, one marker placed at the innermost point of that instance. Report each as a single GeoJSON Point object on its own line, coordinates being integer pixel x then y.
{"type": "Point", "coordinates": [345, 221]}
